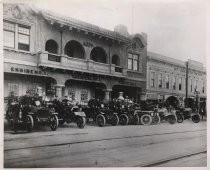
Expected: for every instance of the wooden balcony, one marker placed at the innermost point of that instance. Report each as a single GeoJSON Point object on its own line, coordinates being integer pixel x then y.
{"type": "Point", "coordinates": [69, 63]}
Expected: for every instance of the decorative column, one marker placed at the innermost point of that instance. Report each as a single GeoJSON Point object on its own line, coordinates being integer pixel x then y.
{"type": "Point", "coordinates": [107, 95]}
{"type": "Point", "coordinates": [58, 90]}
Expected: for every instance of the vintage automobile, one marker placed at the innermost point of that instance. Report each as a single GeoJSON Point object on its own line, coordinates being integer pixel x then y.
{"type": "Point", "coordinates": [67, 112]}
{"type": "Point", "coordinates": [44, 115]}
{"type": "Point", "coordinates": [167, 114]}
{"type": "Point", "coordinates": [17, 119]}
{"type": "Point", "coordinates": [127, 113]}
{"type": "Point", "coordinates": [100, 114]}
{"type": "Point", "coordinates": [188, 113]}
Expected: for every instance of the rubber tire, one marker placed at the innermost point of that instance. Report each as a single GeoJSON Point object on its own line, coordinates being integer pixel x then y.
{"type": "Point", "coordinates": [180, 118]}
{"type": "Point", "coordinates": [81, 121]}
{"type": "Point", "coordinates": [123, 119]}
{"type": "Point", "coordinates": [117, 120]}
{"type": "Point", "coordinates": [149, 117]}
{"type": "Point", "coordinates": [156, 120]}
{"type": "Point", "coordinates": [136, 119]}
{"type": "Point", "coordinates": [54, 124]}
{"type": "Point", "coordinates": [171, 119]}
{"type": "Point", "coordinates": [102, 121]}
{"type": "Point", "coordinates": [195, 118]}
{"type": "Point", "coordinates": [29, 123]}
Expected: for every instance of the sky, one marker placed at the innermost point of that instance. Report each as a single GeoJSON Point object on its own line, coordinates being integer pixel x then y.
{"type": "Point", "coordinates": [175, 29]}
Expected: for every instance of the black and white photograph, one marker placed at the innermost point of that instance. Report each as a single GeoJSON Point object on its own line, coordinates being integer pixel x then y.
{"type": "Point", "coordinates": [102, 84]}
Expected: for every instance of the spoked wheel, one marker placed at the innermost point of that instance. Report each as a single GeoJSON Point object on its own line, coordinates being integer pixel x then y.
{"type": "Point", "coordinates": [54, 122]}
{"type": "Point", "coordinates": [123, 119]}
{"type": "Point", "coordinates": [29, 123]}
{"type": "Point", "coordinates": [115, 120]}
{"type": "Point", "coordinates": [180, 118]}
{"type": "Point", "coordinates": [136, 119]}
{"type": "Point", "coordinates": [171, 119]}
{"type": "Point", "coordinates": [195, 118]}
{"type": "Point", "coordinates": [81, 122]}
{"type": "Point", "coordinates": [156, 119]}
{"type": "Point", "coordinates": [100, 120]}
{"type": "Point", "coordinates": [146, 119]}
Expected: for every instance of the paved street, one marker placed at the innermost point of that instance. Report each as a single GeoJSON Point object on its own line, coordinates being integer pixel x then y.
{"type": "Point", "coordinates": [120, 146]}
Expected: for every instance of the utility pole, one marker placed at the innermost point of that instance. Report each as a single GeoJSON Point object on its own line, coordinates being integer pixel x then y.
{"type": "Point", "coordinates": [186, 84]}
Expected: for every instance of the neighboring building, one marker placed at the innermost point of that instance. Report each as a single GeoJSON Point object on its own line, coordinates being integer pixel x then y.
{"type": "Point", "coordinates": [167, 77]}
{"type": "Point", "coordinates": [61, 56]}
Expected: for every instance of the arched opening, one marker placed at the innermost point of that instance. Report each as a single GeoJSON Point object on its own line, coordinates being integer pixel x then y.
{"type": "Point", "coordinates": [116, 60]}
{"type": "Point", "coordinates": [172, 101]}
{"type": "Point", "coordinates": [98, 55]}
{"type": "Point", "coordinates": [74, 49]}
{"type": "Point", "coordinates": [51, 46]}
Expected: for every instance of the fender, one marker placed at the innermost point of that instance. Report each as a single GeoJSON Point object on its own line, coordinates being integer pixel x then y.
{"type": "Point", "coordinates": [115, 113]}
{"type": "Point", "coordinates": [82, 114]}
{"type": "Point", "coordinates": [54, 113]}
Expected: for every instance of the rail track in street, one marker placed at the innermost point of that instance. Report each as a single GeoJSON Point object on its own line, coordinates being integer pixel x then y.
{"type": "Point", "coordinates": [104, 139]}
{"type": "Point", "coordinates": [177, 157]}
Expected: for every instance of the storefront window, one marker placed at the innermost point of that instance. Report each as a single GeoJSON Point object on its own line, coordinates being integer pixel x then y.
{"type": "Point", "coordinates": [160, 80]}
{"type": "Point", "coordinates": [167, 81]}
{"type": "Point", "coordinates": [174, 83]}
{"type": "Point", "coordinates": [23, 39]}
{"type": "Point", "coordinates": [180, 83]}
{"type": "Point", "coordinates": [13, 87]}
{"type": "Point", "coordinates": [71, 93]}
{"type": "Point", "coordinates": [84, 95]}
{"type": "Point", "coordinates": [152, 82]}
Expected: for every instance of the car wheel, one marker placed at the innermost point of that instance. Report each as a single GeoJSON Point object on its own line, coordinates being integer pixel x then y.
{"type": "Point", "coordinates": [171, 119]}
{"type": "Point", "coordinates": [156, 119]}
{"type": "Point", "coordinates": [136, 119]}
{"type": "Point", "coordinates": [123, 119]}
{"type": "Point", "coordinates": [54, 122]}
{"type": "Point", "coordinates": [81, 122]}
{"type": "Point", "coordinates": [146, 119]}
{"type": "Point", "coordinates": [100, 120]}
{"type": "Point", "coordinates": [180, 118]}
{"type": "Point", "coordinates": [115, 120]}
{"type": "Point", "coordinates": [29, 123]}
{"type": "Point", "coordinates": [195, 118]}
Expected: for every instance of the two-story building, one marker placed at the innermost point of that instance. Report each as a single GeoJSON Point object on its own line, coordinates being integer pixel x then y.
{"type": "Point", "coordinates": [59, 55]}
{"type": "Point", "coordinates": [172, 77]}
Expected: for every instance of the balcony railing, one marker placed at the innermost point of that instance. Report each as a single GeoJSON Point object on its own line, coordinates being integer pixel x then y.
{"type": "Point", "coordinates": [70, 63]}
{"type": "Point", "coordinates": [118, 69]}
{"type": "Point", "coordinates": [54, 57]}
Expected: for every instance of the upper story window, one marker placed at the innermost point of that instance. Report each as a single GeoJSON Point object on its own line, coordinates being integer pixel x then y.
{"type": "Point", "coordinates": [160, 81]}
{"type": "Point", "coordinates": [180, 83]}
{"type": "Point", "coordinates": [133, 62]}
{"type": "Point", "coordinates": [167, 81]}
{"type": "Point", "coordinates": [196, 85]}
{"type": "Point", "coordinates": [203, 86]}
{"type": "Point", "coordinates": [152, 82]}
{"type": "Point", "coordinates": [16, 36]}
{"type": "Point", "coordinates": [9, 34]}
{"type": "Point", "coordinates": [174, 83]}
{"type": "Point", "coordinates": [191, 85]}
{"type": "Point", "coordinates": [23, 38]}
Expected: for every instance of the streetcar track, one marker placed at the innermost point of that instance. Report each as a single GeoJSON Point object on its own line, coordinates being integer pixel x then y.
{"type": "Point", "coordinates": [96, 140]}
{"type": "Point", "coordinates": [171, 159]}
